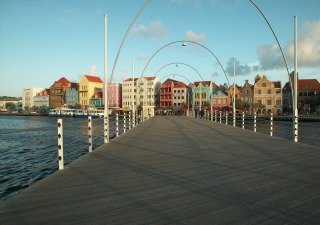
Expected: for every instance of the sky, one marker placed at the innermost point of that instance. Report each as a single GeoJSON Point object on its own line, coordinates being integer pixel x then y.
{"type": "Point", "coordinates": [43, 40]}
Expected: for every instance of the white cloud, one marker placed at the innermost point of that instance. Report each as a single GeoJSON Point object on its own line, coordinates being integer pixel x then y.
{"type": "Point", "coordinates": [308, 45]}
{"type": "Point", "coordinates": [241, 69]}
{"type": "Point", "coordinates": [143, 57]}
{"type": "Point", "coordinates": [308, 49]}
{"type": "Point", "coordinates": [93, 70]}
{"type": "Point", "coordinates": [192, 36]}
{"type": "Point", "coordinates": [154, 29]}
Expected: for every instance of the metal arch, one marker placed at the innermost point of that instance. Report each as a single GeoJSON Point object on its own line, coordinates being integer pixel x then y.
{"type": "Point", "coordinates": [145, 4]}
{"type": "Point", "coordinates": [173, 74]}
{"type": "Point", "coordinates": [186, 41]}
{"type": "Point", "coordinates": [179, 63]}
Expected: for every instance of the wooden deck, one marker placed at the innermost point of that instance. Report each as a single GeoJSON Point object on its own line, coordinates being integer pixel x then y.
{"type": "Point", "coordinates": [178, 170]}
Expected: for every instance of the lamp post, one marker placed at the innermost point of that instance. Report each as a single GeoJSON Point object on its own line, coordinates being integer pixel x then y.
{"type": "Point", "coordinates": [234, 92]}
{"type": "Point", "coordinates": [106, 101]}
{"type": "Point", "coordinates": [295, 101]}
{"type": "Point", "coordinates": [133, 98]}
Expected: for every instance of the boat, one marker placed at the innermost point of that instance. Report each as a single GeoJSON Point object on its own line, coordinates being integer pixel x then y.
{"type": "Point", "coordinates": [97, 113]}
{"type": "Point", "coordinates": [84, 113]}
{"type": "Point", "coordinates": [66, 112]}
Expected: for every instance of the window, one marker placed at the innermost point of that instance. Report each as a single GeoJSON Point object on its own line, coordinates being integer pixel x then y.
{"type": "Point", "coordinates": [269, 102]}
{"type": "Point", "coordinates": [260, 102]}
{"type": "Point", "coordinates": [269, 92]}
{"type": "Point", "coordinates": [264, 85]}
{"type": "Point", "coordinates": [259, 91]}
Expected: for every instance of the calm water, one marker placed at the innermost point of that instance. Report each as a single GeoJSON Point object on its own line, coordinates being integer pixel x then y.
{"type": "Point", "coordinates": [28, 148]}
{"type": "Point", "coordinates": [28, 145]}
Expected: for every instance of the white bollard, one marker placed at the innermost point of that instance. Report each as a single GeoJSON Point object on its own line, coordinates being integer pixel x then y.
{"type": "Point", "coordinates": [117, 125]}
{"type": "Point", "coordinates": [129, 117]}
{"type": "Point", "coordinates": [220, 117]}
{"type": "Point", "coordinates": [215, 115]}
{"type": "Point", "coordinates": [211, 116]}
{"type": "Point", "coordinates": [242, 120]}
{"type": "Point", "coordinates": [60, 144]}
{"type": "Point", "coordinates": [124, 122]}
{"type": "Point", "coordinates": [133, 119]}
{"type": "Point", "coordinates": [255, 122]}
{"type": "Point", "coordinates": [90, 133]}
{"type": "Point", "coordinates": [296, 127]}
{"type": "Point", "coordinates": [271, 124]}
{"type": "Point", "coordinates": [106, 129]}
{"type": "Point", "coordinates": [234, 119]}
{"type": "Point", "coordinates": [226, 118]}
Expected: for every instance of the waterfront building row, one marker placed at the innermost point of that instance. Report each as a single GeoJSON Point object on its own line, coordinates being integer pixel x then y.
{"type": "Point", "coordinates": [148, 94]}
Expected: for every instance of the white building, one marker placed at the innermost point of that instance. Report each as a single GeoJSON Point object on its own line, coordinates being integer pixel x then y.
{"type": "Point", "coordinates": [42, 98]}
{"type": "Point", "coordinates": [140, 92]}
{"type": "Point", "coordinates": [27, 97]}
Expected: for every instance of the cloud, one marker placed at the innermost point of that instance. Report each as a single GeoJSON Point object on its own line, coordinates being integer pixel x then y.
{"type": "Point", "coordinates": [143, 57]}
{"type": "Point", "coordinates": [192, 36]}
{"type": "Point", "coordinates": [308, 49]}
{"type": "Point", "coordinates": [93, 70]}
{"type": "Point", "coordinates": [241, 69]}
{"type": "Point", "coordinates": [308, 45]}
{"type": "Point", "coordinates": [154, 29]}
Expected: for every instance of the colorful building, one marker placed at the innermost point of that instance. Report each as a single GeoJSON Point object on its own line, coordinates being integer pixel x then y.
{"type": "Point", "coordinates": [267, 95]}
{"type": "Point", "coordinates": [202, 91]}
{"type": "Point", "coordinates": [57, 92]}
{"type": "Point", "coordinates": [97, 99]}
{"type": "Point", "coordinates": [72, 95]}
{"type": "Point", "coordinates": [166, 93]}
{"type": "Point", "coordinates": [115, 95]}
{"type": "Point", "coordinates": [219, 99]}
{"type": "Point", "coordinates": [180, 98]}
{"type": "Point", "coordinates": [87, 86]}
{"type": "Point", "coordinates": [234, 89]}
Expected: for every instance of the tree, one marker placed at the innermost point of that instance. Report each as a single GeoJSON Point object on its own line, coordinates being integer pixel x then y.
{"type": "Point", "coordinates": [10, 106]}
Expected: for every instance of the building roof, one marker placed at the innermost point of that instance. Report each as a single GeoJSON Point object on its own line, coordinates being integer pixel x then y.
{"type": "Point", "coordinates": [169, 81]}
{"type": "Point", "coordinates": [63, 82]}
{"type": "Point", "coordinates": [203, 83]}
{"type": "Point", "coordinates": [130, 79]}
{"type": "Point", "coordinates": [93, 79]}
{"type": "Point", "coordinates": [277, 84]}
{"type": "Point", "coordinates": [308, 84]}
{"type": "Point", "coordinates": [180, 85]}
{"type": "Point", "coordinates": [150, 78]}
{"type": "Point", "coordinates": [304, 84]}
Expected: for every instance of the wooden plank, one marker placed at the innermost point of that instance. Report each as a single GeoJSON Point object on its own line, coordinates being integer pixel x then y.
{"type": "Point", "coordinates": [178, 170]}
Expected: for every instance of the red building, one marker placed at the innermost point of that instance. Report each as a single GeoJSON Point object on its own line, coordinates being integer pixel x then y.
{"type": "Point", "coordinates": [57, 92]}
{"type": "Point", "coordinates": [166, 93]}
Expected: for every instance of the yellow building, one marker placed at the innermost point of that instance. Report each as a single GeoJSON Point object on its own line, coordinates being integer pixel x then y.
{"type": "Point", "coordinates": [267, 94]}
{"type": "Point", "coordinates": [230, 94]}
{"type": "Point", "coordinates": [87, 86]}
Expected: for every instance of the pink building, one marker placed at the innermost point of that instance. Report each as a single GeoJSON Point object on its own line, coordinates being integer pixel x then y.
{"type": "Point", "coordinates": [115, 95]}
